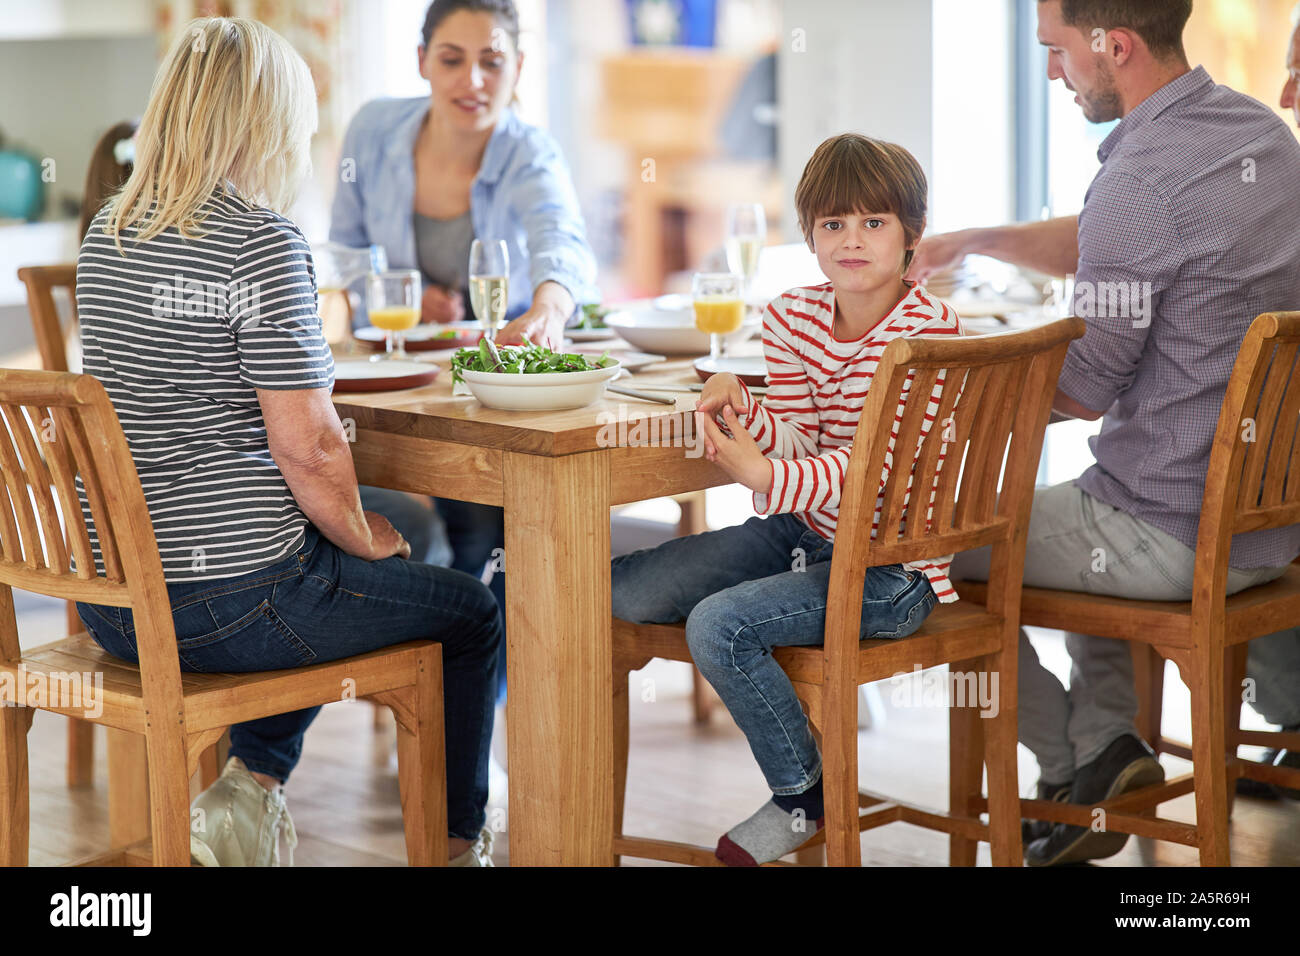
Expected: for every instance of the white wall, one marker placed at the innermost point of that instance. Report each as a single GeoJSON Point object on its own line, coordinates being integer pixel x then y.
{"type": "Point", "coordinates": [853, 66]}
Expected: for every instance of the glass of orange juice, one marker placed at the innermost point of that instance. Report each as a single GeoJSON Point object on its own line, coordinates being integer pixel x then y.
{"type": "Point", "coordinates": [719, 309]}
{"type": "Point", "coordinates": [393, 300]}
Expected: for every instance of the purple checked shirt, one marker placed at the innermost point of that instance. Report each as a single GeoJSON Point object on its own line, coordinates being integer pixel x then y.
{"type": "Point", "coordinates": [1189, 231]}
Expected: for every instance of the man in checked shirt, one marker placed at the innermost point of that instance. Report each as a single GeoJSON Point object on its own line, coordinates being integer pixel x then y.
{"type": "Point", "coordinates": [1190, 230]}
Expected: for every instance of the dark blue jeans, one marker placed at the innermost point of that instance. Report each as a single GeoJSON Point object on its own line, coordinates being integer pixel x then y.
{"type": "Point", "coordinates": [475, 532]}
{"type": "Point", "coordinates": [318, 605]}
{"type": "Point", "coordinates": [745, 590]}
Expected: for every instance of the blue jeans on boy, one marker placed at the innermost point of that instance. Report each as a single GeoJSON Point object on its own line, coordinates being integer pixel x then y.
{"type": "Point", "coordinates": [321, 604]}
{"type": "Point", "coordinates": [745, 590]}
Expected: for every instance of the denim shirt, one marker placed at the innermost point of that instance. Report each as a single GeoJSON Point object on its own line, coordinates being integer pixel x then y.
{"type": "Point", "coordinates": [522, 194]}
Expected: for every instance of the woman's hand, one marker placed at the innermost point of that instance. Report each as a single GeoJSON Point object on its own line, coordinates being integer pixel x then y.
{"type": "Point", "coordinates": [385, 541]}
{"type": "Point", "coordinates": [442, 305]}
{"type": "Point", "coordinates": [543, 323]}
{"type": "Point", "coordinates": [539, 326]}
{"type": "Point", "coordinates": [737, 454]}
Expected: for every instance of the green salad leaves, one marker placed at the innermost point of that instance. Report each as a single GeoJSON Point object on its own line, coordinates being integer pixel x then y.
{"type": "Point", "coordinates": [526, 359]}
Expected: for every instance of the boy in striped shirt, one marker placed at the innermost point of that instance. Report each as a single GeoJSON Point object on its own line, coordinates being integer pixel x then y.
{"type": "Point", "coordinates": [743, 590]}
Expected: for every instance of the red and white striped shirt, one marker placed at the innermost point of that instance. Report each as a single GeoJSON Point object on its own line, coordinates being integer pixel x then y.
{"type": "Point", "coordinates": [817, 387]}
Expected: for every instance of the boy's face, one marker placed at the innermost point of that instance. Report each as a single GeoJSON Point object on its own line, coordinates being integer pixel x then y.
{"type": "Point", "coordinates": [861, 252]}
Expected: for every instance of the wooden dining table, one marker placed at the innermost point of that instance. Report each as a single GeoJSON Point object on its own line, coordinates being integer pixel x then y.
{"type": "Point", "coordinates": [556, 474]}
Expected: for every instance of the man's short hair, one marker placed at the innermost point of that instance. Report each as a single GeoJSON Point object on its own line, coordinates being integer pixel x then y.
{"type": "Point", "coordinates": [1158, 22]}
{"type": "Point", "coordinates": [852, 173]}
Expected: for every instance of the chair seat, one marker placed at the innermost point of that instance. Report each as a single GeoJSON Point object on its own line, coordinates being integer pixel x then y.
{"type": "Point", "coordinates": [952, 632]}
{"type": "Point", "coordinates": [1250, 613]}
{"type": "Point", "coordinates": [211, 700]}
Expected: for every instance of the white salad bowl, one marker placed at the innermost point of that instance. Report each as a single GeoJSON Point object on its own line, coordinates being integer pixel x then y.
{"type": "Point", "coordinates": [541, 391]}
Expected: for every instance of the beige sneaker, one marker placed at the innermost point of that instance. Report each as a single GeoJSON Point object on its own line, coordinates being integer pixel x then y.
{"type": "Point", "coordinates": [238, 822]}
{"type": "Point", "coordinates": [479, 852]}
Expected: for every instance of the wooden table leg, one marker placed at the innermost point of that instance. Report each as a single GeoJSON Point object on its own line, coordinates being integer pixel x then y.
{"type": "Point", "coordinates": [128, 788]}
{"type": "Point", "coordinates": [559, 659]}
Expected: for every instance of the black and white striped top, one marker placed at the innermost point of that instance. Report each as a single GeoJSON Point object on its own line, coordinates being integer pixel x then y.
{"type": "Point", "coordinates": [181, 334]}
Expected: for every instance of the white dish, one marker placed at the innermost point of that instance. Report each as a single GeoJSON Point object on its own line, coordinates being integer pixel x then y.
{"type": "Point", "coordinates": [629, 360]}
{"type": "Point", "coordinates": [670, 331]}
{"type": "Point", "coordinates": [589, 335]}
{"type": "Point", "coordinates": [750, 369]}
{"type": "Point", "coordinates": [421, 333]}
{"type": "Point", "coordinates": [387, 368]}
{"type": "Point", "coordinates": [548, 391]}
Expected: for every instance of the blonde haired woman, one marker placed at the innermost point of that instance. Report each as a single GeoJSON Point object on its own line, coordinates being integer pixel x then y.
{"type": "Point", "coordinates": [197, 301]}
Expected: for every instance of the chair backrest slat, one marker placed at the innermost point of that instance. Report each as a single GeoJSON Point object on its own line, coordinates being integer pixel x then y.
{"type": "Point", "coordinates": [63, 473]}
{"type": "Point", "coordinates": [71, 429]}
{"type": "Point", "coordinates": [919, 387]}
{"type": "Point", "coordinates": [53, 553]}
{"type": "Point", "coordinates": [1253, 479]}
{"type": "Point", "coordinates": [980, 479]}
{"type": "Point", "coordinates": [1277, 486]}
{"type": "Point", "coordinates": [24, 547]}
{"type": "Point", "coordinates": [976, 382]}
{"type": "Point", "coordinates": [1265, 417]}
{"type": "Point", "coordinates": [934, 453]}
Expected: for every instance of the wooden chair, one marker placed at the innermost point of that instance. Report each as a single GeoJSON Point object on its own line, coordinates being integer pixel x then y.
{"type": "Point", "coordinates": [51, 342]}
{"type": "Point", "coordinates": [1006, 382]}
{"type": "Point", "coordinates": [60, 429]}
{"type": "Point", "coordinates": [1253, 483]}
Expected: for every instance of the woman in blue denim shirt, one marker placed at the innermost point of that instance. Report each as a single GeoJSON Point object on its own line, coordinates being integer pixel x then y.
{"type": "Point", "coordinates": [416, 166]}
{"type": "Point", "coordinates": [424, 176]}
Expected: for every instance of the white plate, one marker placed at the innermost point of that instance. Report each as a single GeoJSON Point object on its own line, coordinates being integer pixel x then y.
{"type": "Point", "coordinates": [387, 368]}
{"type": "Point", "coordinates": [632, 361]}
{"type": "Point", "coordinates": [750, 369]}
{"type": "Point", "coordinates": [548, 391]}
{"type": "Point", "coordinates": [589, 335]}
{"type": "Point", "coordinates": [421, 333]}
{"type": "Point", "coordinates": [670, 332]}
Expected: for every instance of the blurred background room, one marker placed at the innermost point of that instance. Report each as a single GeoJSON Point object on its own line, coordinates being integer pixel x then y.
{"type": "Point", "coordinates": [667, 113]}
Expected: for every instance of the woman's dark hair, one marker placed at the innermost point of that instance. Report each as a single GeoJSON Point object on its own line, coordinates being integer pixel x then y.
{"type": "Point", "coordinates": [106, 174]}
{"type": "Point", "coordinates": [503, 10]}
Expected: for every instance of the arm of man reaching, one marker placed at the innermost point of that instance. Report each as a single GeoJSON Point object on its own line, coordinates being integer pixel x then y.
{"type": "Point", "coordinates": [1050, 246]}
{"type": "Point", "coordinates": [311, 450]}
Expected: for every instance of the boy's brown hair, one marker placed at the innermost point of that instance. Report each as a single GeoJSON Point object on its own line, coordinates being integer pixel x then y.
{"type": "Point", "coordinates": [852, 173]}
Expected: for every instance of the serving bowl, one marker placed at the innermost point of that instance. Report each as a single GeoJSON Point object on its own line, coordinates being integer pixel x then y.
{"type": "Point", "coordinates": [544, 391]}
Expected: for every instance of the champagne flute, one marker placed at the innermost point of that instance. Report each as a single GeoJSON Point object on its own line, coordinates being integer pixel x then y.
{"type": "Point", "coordinates": [489, 283]}
{"type": "Point", "coordinates": [746, 232]}
{"type": "Point", "coordinates": [393, 300]}
{"type": "Point", "coordinates": [719, 310]}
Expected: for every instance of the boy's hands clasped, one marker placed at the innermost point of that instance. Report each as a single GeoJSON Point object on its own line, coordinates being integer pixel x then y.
{"type": "Point", "coordinates": [737, 454]}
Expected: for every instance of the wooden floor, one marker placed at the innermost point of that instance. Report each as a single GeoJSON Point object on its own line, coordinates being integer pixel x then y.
{"type": "Point", "coordinates": [686, 782]}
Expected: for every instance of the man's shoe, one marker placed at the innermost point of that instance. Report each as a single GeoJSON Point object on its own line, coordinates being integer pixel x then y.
{"type": "Point", "coordinates": [479, 852]}
{"type": "Point", "coordinates": [238, 822]}
{"type": "Point", "coordinates": [1126, 765]}
{"type": "Point", "coordinates": [1031, 830]}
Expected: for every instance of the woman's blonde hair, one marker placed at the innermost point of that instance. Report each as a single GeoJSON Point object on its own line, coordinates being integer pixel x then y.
{"type": "Point", "coordinates": [232, 108]}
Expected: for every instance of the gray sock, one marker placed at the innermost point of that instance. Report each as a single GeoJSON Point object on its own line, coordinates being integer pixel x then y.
{"type": "Point", "coordinates": [768, 835]}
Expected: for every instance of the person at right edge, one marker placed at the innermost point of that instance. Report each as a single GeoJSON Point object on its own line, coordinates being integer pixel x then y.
{"type": "Point", "coordinates": [1194, 213]}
